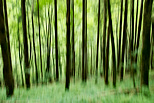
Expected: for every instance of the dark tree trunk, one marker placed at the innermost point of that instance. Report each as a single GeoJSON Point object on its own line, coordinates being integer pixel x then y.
{"type": "Point", "coordinates": [84, 41]}
{"type": "Point", "coordinates": [73, 48]}
{"type": "Point", "coordinates": [56, 42]}
{"type": "Point", "coordinates": [120, 30]}
{"type": "Point", "coordinates": [104, 35]}
{"type": "Point", "coordinates": [112, 42]}
{"type": "Point", "coordinates": [7, 30]}
{"type": "Point", "coordinates": [146, 43]}
{"type": "Point", "coordinates": [40, 38]}
{"type": "Point", "coordinates": [26, 58]}
{"type": "Point", "coordinates": [124, 39]}
{"type": "Point", "coordinates": [68, 67]}
{"type": "Point", "coordinates": [7, 71]}
{"type": "Point", "coordinates": [97, 41]}
{"type": "Point", "coordinates": [35, 59]}
{"type": "Point", "coordinates": [107, 58]}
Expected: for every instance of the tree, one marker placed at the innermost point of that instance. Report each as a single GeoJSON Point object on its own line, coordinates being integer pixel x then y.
{"type": "Point", "coordinates": [112, 42]}
{"type": "Point", "coordinates": [146, 43]}
{"type": "Point", "coordinates": [124, 39]}
{"type": "Point", "coordinates": [104, 35]}
{"type": "Point", "coordinates": [68, 65]}
{"type": "Point", "coordinates": [73, 48]}
{"type": "Point", "coordinates": [7, 71]}
{"type": "Point", "coordinates": [34, 49]}
{"type": "Point", "coordinates": [97, 41]}
{"type": "Point", "coordinates": [26, 58]}
{"type": "Point", "coordinates": [120, 30]}
{"type": "Point", "coordinates": [56, 42]}
{"type": "Point", "coordinates": [84, 41]}
{"type": "Point", "coordinates": [39, 37]}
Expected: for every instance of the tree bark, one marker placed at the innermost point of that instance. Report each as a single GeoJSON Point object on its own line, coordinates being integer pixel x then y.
{"type": "Point", "coordinates": [7, 71]}
{"type": "Point", "coordinates": [68, 62]}
{"type": "Point", "coordinates": [104, 35]}
{"type": "Point", "coordinates": [7, 31]}
{"type": "Point", "coordinates": [26, 58]}
{"type": "Point", "coordinates": [40, 38]}
{"type": "Point", "coordinates": [56, 42]}
{"type": "Point", "coordinates": [97, 41]}
{"type": "Point", "coordinates": [146, 43]}
{"type": "Point", "coordinates": [84, 41]}
{"type": "Point", "coordinates": [124, 39]}
{"type": "Point", "coordinates": [139, 28]}
{"type": "Point", "coordinates": [120, 30]}
{"type": "Point", "coordinates": [35, 59]}
{"type": "Point", "coordinates": [73, 48]}
{"type": "Point", "coordinates": [113, 44]}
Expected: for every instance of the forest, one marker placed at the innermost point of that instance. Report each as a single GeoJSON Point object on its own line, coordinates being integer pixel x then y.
{"type": "Point", "coordinates": [76, 51]}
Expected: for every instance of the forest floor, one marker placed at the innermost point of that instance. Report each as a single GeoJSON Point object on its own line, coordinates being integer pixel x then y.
{"type": "Point", "coordinates": [83, 93]}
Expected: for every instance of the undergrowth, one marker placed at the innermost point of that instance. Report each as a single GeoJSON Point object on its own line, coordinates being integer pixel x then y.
{"type": "Point", "coordinates": [80, 93]}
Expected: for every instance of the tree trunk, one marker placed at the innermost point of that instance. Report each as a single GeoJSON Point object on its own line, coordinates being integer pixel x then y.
{"type": "Point", "coordinates": [104, 35]}
{"type": "Point", "coordinates": [139, 29]}
{"type": "Point", "coordinates": [56, 42]}
{"type": "Point", "coordinates": [112, 42]}
{"type": "Point", "coordinates": [107, 58]}
{"type": "Point", "coordinates": [136, 22]}
{"type": "Point", "coordinates": [7, 71]}
{"type": "Point", "coordinates": [120, 30]}
{"type": "Point", "coordinates": [97, 41]}
{"type": "Point", "coordinates": [40, 39]}
{"type": "Point", "coordinates": [7, 31]}
{"type": "Point", "coordinates": [124, 39]}
{"type": "Point", "coordinates": [146, 43]}
{"type": "Point", "coordinates": [26, 58]}
{"type": "Point", "coordinates": [84, 41]}
{"type": "Point", "coordinates": [68, 47]}
{"type": "Point", "coordinates": [35, 59]}
{"type": "Point", "coordinates": [73, 48]}
{"type": "Point", "coordinates": [20, 55]}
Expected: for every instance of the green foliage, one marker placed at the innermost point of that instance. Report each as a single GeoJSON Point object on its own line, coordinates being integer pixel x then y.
{"type": "Point", "coordinates": [79, 93]}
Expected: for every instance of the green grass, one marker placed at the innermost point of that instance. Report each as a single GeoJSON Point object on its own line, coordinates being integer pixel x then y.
{"type": "Point", "coordinates": [79, 93]}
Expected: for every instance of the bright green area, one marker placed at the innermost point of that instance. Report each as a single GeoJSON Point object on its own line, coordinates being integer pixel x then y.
{"type": "Point", "coordinates": [81, 93]}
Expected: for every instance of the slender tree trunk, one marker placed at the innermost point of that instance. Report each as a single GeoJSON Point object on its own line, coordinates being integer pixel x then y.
{"type": "Point", "coordinates": [40, 38]}
{"type": "Point", "coordinates": [35, 59]}
{"type": "Point", "coordinates": [107, 58]}
{"type": "Point", "coordinates": [68, 47]}
{"type": "Point", "coordinates": [113, 44]}
{"type": "Point", "coordinates": [84, 41]}
{"type": "Point", "coordinates": [56, 42]}
{"type": "Point", "coordinates": [49, 47]}
{"type": "Point", "coordinates": [139, 28]}
{"type": "Point", "coordinates": [136, 22]}
{"type": "Point", "coordinates": [146, 43]}
{"type": "Point", "coordinates": [29, 37]}
{"type": "Point", "coordinates": [97, 41]}
{"type": "Point", "coordinates": [120, 30]}
{"type": "Point", "coordinates": [20, 56]}
{"type": "Point", "coordinates": [132, 45]}
{"type": "Point", "coordinates": [124, 39]}
{"type": "Point", "coordinates": [7, 71]}
{"type": "Point", "coordinates": [26, 58]}
{"type": "Point", "coordinates": [73, 48]}
{"type": "Point", "coordinates": [104, 35]}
